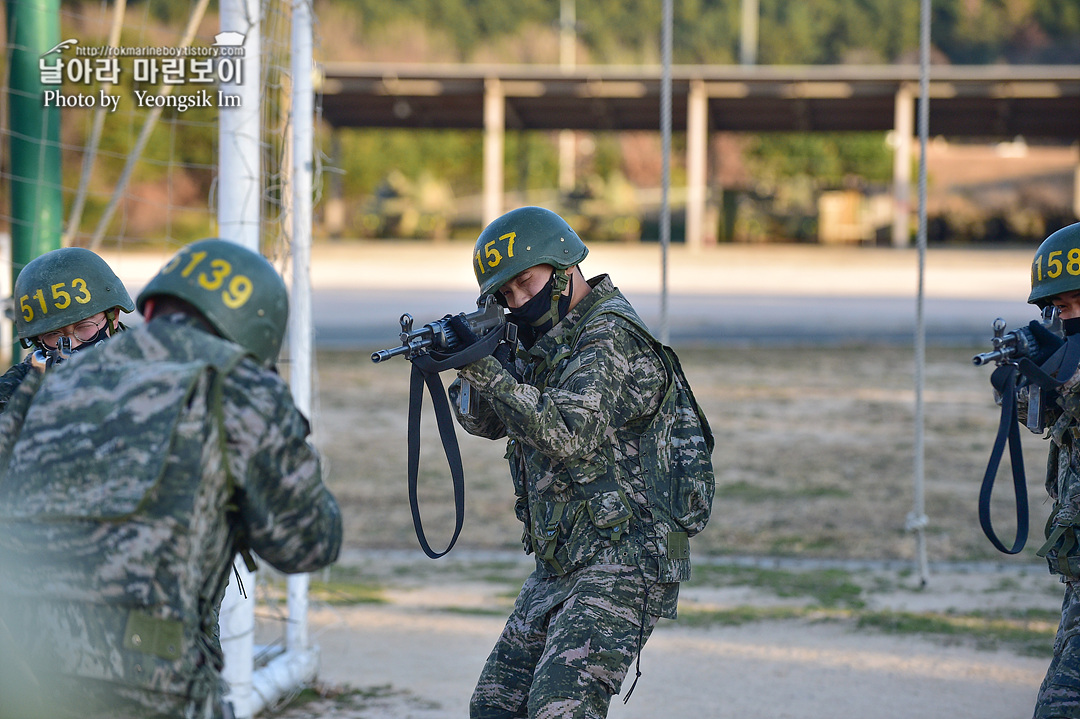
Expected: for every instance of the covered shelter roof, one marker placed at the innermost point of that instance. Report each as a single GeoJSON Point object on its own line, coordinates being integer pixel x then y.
{"type": "Point", "coordinates": [969, 100]}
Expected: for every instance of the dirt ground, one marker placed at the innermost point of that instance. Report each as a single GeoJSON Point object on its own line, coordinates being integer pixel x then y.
{"type": "Point", "coordinates": [814, 463]}
{"type": "Point", "coordinates": [814, 468]}
{"type": "Point", "coordinates": [418, 654]}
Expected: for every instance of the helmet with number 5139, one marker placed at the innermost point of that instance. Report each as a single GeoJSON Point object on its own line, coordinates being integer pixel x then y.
{"type": "Point", "coordinates": [62, 287]}
{"type": "Point", "coordinates": [520, 239]}
{"type": "Point", "coordinates": [1056, 267]}
{"type": "Point", "coordinates": [237, 290]}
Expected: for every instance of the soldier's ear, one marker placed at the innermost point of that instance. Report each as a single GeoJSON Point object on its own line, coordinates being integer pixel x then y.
{"type": "Point", "coordinates": [148, 309]}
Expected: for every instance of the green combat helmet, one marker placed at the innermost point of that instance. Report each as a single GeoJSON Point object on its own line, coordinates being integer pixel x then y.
{"type": "Point", "coordinates": [520, 239]}
{"type": "Point", "coordinates": [236, 289]}
{"type": "Point", "coordinates": [63, 287]}
{"type": "Point", "coordinates": [1056, 267]}
{"type": "Point", "coordinates": [524, 238]}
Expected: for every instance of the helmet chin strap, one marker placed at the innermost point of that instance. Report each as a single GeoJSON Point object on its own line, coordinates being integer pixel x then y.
{"type": "Point", "coordinates": [110, 321]}
{"type": "Point", "coordinates": [561, 281]}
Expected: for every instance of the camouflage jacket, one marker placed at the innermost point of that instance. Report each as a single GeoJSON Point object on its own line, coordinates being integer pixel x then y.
{"type": "Point", "coordinates": [129, 478]}
{"type": "Point", "coordinates": [1061, 417]}
{"type": "Point", "coordinates": [11, 380]}
{"type": "Point", "coordinates": [573, 426]}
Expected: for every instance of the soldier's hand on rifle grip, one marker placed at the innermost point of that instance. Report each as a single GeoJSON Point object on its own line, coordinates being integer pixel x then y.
{"type": "Point", "coordinates": [505, 354]}
{"type": "Point", "coordinates": [462, 332]}
{"type": "Point", "coordinates": [1048, 342]}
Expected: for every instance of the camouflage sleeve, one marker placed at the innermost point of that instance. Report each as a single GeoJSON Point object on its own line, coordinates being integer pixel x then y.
{"type": "Point", "coordinates": [290, 518]}
{"type": "Point", "coordinates": [614, 377]}
{"type": "Point", "coordinates": [483, 422]}
{"type": "Point", "coordinates": [11, 380]}
{"type": "Point", "coordinates": [1068, 400]}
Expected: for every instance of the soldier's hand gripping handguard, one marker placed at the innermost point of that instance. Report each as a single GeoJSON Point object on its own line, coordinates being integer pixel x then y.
{"type": "Point", "coordinates": [43, 359]}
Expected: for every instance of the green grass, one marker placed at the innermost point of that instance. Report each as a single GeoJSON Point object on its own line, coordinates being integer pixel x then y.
{"type": "Point", "coordinates": [825, 587]}
{"type": "Point", "coordinates": [1021, 634]}
{"type": "Point", "coordinates": [750, 492]}
{"type": "Point", "coordinates": [345, 593]}
{"type": "Point", "coordinates": [835, 595]}
{"type": "Point", "coordinates": [696, 616]}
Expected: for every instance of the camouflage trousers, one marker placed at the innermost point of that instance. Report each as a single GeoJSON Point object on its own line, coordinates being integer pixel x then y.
{"type": "Point", "coordinates": [1059, 695]}
{"type": "Point", "coordinates": [566, 647]}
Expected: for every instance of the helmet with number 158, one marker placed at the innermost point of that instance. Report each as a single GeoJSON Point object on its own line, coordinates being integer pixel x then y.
{"type": "Point", "coordinates": [237, 290]}
{"type": "Point", "coordinates": [520, 239]}
{"type": "Point", "coordinates": [1056, 267]}
{"type": "Point", "coordinates": [63, 287]}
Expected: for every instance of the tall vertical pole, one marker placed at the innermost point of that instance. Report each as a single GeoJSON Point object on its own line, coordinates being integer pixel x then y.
{"type": "Point", "coordinates": [917, 520]}
{"type": "Point", "coordinates": [33, 28]}
{"type": "Point", "coordinates": [665, 183]}
{"type": "Point", "coordinates": [7, 348]}
{"type": "Point", "coordinates": [239, 221]}
{"type": "Point", "coordinates": [567, 62]}
{"type": "Point", "coordinates": [239, 139]}
{"type": "Point", "coordinates": [300, 329]}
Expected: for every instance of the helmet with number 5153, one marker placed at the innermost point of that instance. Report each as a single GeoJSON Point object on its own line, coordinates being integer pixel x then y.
{"type": "Point", "coordinates": [1056, 267]}
{"type": "Point", "coordinates": [237, 290]}
{"type": "Point", "coordinates": [520, 239]}
{"type": "Point", "coordinates": [65, 286]}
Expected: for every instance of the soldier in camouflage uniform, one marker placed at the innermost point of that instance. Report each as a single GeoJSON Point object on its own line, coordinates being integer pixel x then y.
{"type": "Point", "coordinates": [1055, 280]}
{"type": "Point", "coordinates": [131, 476]}
{"type": "Point", "coordinates": [576, 406]}
{"type": "Point", "coordinates": [68, 296]}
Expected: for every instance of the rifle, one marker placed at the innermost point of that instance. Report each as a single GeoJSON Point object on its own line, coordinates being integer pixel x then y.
{"type": "Point", "coordinates": [1016, 344]}
{"type": "Point", "coordinates": [439, 336]}
{"type": "Point", "coordinates": [44, 358]}
{"type": "Point", "coordinates": [431, 349]}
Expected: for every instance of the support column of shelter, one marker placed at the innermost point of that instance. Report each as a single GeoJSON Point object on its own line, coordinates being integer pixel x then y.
{"type": "Point", "coordinates": [334, 214]}
{"type": "Point", "coordinates": [494, 140]}
{"type": "Point", "coordinates": [903, 130]}
{"type": "Point", "coordinates": [697, 143]}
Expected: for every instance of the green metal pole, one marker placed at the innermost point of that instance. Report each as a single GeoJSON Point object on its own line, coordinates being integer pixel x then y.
{"type": "Point", "coordinates": [33, 28]}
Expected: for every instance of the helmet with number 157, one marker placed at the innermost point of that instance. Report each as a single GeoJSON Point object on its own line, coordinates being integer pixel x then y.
{"type": "Point", "coordinates": [63, 287]}
{"type": "Point", "coordinates": [1056, 267]}
{"type": "Point", "coordinates": [237, 290]}
{"type": "Point", "coordinates": [520, 239]}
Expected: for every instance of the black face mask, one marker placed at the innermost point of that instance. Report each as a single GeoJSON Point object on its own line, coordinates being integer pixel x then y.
{"type": "Point", "coordinates": [1071, 326]}
{"type": "Point", "coordinates": [530, 313]}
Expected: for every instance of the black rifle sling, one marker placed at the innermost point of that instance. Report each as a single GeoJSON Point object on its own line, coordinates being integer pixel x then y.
{"type": "Point", "coordinates": [425, 371]}
{"type": "Point", "coordinates": [1063, 363]}
{"type": "Point", "coordinates": [449, 441]}
{"type": "Point", "coordinates": [1008, 431]}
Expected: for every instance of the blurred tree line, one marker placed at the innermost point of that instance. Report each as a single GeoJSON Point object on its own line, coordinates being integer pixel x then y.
{"type": "Point", "coordinates": [791, 31]}
{"type": "Point", "coordinates": [179, 160]}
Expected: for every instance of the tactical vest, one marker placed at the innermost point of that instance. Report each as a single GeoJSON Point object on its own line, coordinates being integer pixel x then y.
{"type": "Point", "coordinates": [112, 496]}
{"type": "Point", "coordinates": [1062, 547]}
{"type": "Point", "coordinates": [593, 510]}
